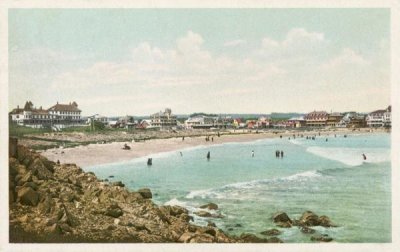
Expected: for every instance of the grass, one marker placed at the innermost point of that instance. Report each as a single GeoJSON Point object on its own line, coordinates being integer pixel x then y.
{"type": "Point", "coordinates": [20, 131]}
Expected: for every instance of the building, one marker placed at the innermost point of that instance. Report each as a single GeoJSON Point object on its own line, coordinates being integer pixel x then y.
{"type": "Point", "coordinates": [263, 122]}
{"type": "Point", "coordinates": [334, 119]}
{"type": "Point", "coordinates": [163, 119]}
{"type": "Point", "coordinates": [200, 122]}
{"type": "Point", "coordinates": [297, 122]}
{"type": "Point", "coordinates": [352, 120]}
{"type": "Point", "coordinates": [379, 118]}
{"type": "Point", "coordinates": [57, 117]}
{"type": "Point", "coordinates": [316, 119]}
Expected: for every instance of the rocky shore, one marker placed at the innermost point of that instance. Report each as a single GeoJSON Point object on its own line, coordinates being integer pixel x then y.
{"type": "Point", "coordinates": [52, 202]}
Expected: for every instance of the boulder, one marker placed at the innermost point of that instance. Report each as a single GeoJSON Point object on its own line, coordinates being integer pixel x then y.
{"type": "Point", "coordinates": [281, 217]}
{"type": "Point", "coordinates": [251, 238]}
{"type": "Point", "coordinates": [186, 237]}
{"type": "Point", "coordinates": [309, 219]}
{"type": "Point", "coordinates": [202, 213]}
{"type": "Point", "coordinates": [114, 211]}
{"type": "Point", "coordinates": [211, 224]}
{"type": "Point", "coordinates": [40, 170]}
{"type": "Point", "coordinates": [271, 232]}
{"type": "Point", "coordinates": [202, 238]}
{"type": "Point", "coordinates": [145, 193]}
{"type": "Point", "coordinates": [325, 221]}
{"type": "Point", "coordinates": [32, 185]}
{"type": "Point", "coordinates": [321, 238]}
{"type": "Point", "coordinates": [307, 230]}
{"type": "Point", "coordinates": [118, 183]}
{"type": "Point", "coordinates": [25, 178]}
{"type": "Point", "coordinates": [28, 196]}
{"type": "Point", "coordinates": [210, 206]}
{"type": "Point", "coordinates": [210, 231]}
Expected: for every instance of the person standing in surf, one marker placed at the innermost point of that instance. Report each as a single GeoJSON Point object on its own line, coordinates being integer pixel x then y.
{"type": "Point", "coordinates": [208, 156]}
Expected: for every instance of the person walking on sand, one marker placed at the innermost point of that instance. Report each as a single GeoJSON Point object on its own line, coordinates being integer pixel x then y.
{"type": "Point", "coordinates": [281, 154]}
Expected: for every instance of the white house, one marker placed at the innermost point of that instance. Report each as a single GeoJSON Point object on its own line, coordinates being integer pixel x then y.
{"type": "Point", "coordinates": [379, 118]}
{"type": "Point", "coordinates": [197, 122]}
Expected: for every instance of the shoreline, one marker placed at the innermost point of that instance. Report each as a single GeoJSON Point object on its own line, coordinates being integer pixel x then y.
{"type": "Point", "coordinates": [108, 153]}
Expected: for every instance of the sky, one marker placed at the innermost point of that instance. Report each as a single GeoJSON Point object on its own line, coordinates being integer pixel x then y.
{"type": "Point", "coordinates": [140, 61]}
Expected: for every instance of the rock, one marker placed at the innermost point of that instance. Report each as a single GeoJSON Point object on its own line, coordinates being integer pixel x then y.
{"type": "Point", "coordinates": [39, 169]}
{"type": "Point", "coordinates": [203, 213]}
{"type": "Point", "coordinates": [186, 237]}
{"type": "Point", "coordinates": [275, 240]}
{"type": "Point", "coordinates": [119, 183]}
{"type": "Point", "coordinates": [309, 219]}
{"type": "Point", "coordinates": [271, 232]}
{"type": "Point", "coordinates": [32, 185]}
{"type": "Point", "coordinates": [211, 224]}
{"type": "Point", "coordinates": [117, 221]}
{"type": "Point", "coordinates": [67, 217]}
{"type": "Point", "coordinates": [23, 219]}
{"type": "Point", "coordinates": [210, 206]}
{"type": "Point", "coordinates": [307, 230]}
{"type": "Point", "coordinates": [250, 238]}
{"type": "Point", "coordinates": [55, 229]}
{"type": "Point", "coordinates": [281, 217]}
{"type": "Point", "coordinates": [25, 178]}
{"type": "Point", "coordinates": [65, 228]}
{"type": "Point", "coordinates": [145, 193]}
{"type": "Point", "coordinates": [325, 221]}
{"type": "Point", "coordinates": [28, 196]}
{"type": "Point", "coordinates": [114, 211]}
{"type": "Point", "coordinates": [210, 231]}
{"type": "Point", "coordinates": [284, 224]}
{"type": "Point", "coordinates": [202, 238]}
{"type": "Point", "coordinates": [321, 238]}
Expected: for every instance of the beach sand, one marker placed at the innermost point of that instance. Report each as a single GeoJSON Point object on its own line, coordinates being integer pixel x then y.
{"type": "Point", "coordinates": [96, 154]}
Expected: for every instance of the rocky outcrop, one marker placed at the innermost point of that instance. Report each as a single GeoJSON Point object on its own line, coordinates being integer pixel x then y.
{"type": "Point", "coordinates": [210, 206]}
{"type": "Point", "coordinates": [310, 219]}
{"type": "Point", "coordinates": [271, 232]}
{"type": "Point", "coordinates": [281, 219]}
{"type": "Point", "coordinates": [52, 202]}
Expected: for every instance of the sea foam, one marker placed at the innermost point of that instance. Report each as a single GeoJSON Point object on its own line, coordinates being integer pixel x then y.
{"type": "Point", "coordinates": [235, 190]}
{"type": "Point", "coordinates": [352, 156]}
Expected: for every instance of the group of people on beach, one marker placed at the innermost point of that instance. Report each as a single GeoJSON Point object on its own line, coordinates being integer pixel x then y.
{"type": "Point", "coordinates": [208, 139]}
{"type": "Point", "coordinates": [279, 154]}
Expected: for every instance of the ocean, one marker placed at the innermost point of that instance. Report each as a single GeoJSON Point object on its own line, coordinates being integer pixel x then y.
{"type": "Point", "coordinates": [327, 175]}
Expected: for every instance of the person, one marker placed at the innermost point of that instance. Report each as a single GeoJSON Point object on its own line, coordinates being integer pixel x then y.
{"type": "Point", "coordinates": [252, 153]}
{"type": "Point", "coordinates": [326, 140]}
{"type": "Point", "coordinates": [208, 155]}
{"type": "Point", "coordinates": [281, 154]}
{"type": "Point", "coordinates": [181, 153]}
{"type": "Point", "coordinates": [150, 161]}
{"type": "Point", "coordinates": [212, 139]}
{"type": "Point", "coordinates": [183, 138]}
{"type": "Point", "coordinates": [280, 136]}
{"type": "Point", "coordinates": [58, 161]}
{"type": "Point", "coordinates": [364, 157]}
{"type": "Point", "coordinates": [218, 134]}
{"type": "Point", "coordinates": [277, 153]}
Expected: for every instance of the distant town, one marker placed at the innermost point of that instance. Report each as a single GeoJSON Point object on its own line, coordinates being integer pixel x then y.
{"type": "Point", "coordinates": [61, 116]}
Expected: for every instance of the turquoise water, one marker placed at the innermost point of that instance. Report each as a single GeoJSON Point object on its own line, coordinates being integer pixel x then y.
{"type": "Point", "coordinates": [327, 177]}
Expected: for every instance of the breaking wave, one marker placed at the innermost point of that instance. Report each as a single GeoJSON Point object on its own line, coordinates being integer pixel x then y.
{"type": "Point", "coordinates": [352, 156]}
{"type": "Point", "coordinates": [249, 187]}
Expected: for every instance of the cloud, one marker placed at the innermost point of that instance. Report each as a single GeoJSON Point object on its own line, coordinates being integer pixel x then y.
{"type": "Point", "coordinates": [234, 43]}
{"type": "Point", "coordinates": [186, 74]}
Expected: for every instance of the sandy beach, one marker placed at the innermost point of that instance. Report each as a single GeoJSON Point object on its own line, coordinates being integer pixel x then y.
{"type": "Point", "coordinates": [96, 154]}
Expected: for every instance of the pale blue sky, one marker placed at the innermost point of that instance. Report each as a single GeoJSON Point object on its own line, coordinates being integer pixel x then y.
{"type": "Point", "coordinates": [138, 61]}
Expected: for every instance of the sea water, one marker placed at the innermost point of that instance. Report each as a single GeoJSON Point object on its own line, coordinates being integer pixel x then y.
{"type": "Point", "coordinates": [327, 175]}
